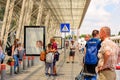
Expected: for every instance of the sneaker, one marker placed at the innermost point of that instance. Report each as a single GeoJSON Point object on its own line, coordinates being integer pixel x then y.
{"type": "Point", "coordinates": [67, 62]}
{"type": "Point", "coordinates": [15, 72]}
{"type": "Point", "coordinates": [54, 74]}
{"type": "Point", "coordinates": [51, 74]}
{"type": "Point", "coordinates": [46, 74]}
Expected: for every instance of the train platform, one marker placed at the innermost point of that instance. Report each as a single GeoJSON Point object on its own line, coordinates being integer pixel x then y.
{"type": "Point", "coordinates": [65, 71]}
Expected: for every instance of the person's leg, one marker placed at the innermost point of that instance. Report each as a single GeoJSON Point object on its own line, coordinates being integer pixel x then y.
{"type": "Point", "coordinates": [70, 55]}
{"type": "Point", "coordinates": [68, 59]}
{"type": "Point", "coordinates": [51, 69]}
{"type": "Point", "coordinates": [15, 63]}
{"type": "Point", "coordinates": [108, 75]}
{"type": "Point", "coordinates": [46, 68]}
{"type": "Point", "coordinates": [101, 76]}
{"type": "Point", "coordinates": [2, 61]}
{"type": "Point", "coordinates": [54, 68]}
{"type": "Point", "coordinates": [72, 59]}
{"type": "Point", "coordinates": [86, 78]}
{"type": "Point", "coordinates": [93, 77]}
{"type": "Point", "coordinates": [73, 55]}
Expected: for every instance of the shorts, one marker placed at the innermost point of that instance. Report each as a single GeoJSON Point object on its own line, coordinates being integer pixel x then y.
{"type": "Point", "coordinates": [72, 53]}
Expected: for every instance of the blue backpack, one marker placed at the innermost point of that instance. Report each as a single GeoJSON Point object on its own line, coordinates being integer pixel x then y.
{"type": "Point", "coordinates": [92, 47]}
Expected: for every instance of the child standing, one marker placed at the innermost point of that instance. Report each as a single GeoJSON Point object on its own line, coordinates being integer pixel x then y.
{"type": "Point", "coordinates": [49, 60]}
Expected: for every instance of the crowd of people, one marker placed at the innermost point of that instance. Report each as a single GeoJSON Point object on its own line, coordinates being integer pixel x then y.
{"type": "Point", "coordinates": [100, 56]}
{"type": "Point", "coordinates": [16, 53]}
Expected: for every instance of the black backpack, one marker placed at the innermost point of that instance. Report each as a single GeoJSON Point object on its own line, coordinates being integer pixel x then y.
{"type": "Point", "coordinates": [56, 56]}
{"type": "Point", "coordinates": [9, 50]}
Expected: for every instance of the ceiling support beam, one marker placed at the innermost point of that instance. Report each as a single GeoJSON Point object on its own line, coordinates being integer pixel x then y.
{"type": "Point", "coordinates": [8, 19]}
{"type": "Point", "coordinates": [5, 19]}
{"type": "Point", "coordinates": [47, 20]}
{"type": "Point", "coordinates": [20, 20]}
{"type": "Point", "coordinates": [40, 12]}
{"type": "Point", "coordinates": [27, 17]}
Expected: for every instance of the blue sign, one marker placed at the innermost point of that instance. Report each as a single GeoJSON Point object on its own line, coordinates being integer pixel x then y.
{"type": "Point", "coordinates": [65, 27]}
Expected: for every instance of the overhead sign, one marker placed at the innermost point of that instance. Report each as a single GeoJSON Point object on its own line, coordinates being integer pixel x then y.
{"type": "Point", "coordinates": [65, 27]}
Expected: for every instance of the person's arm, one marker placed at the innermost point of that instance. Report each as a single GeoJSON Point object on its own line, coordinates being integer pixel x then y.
{"type": "Point", "coordinates": [106, 56]}
{"type": "Point", "coordinates": [105, 50]}
{"type": "Point", "coordinates": [84, 50]}
{"type": "Point", "coordinates": [52, 50]}
{"type": "Point", "coordinates": [13, 48]}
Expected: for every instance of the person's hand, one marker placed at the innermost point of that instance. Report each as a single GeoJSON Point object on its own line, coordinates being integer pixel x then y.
{"type": "Point", "coordinates": [11, 56]}
{"type": "Point", "coordinates": [82, 64]}
{"type": "Point", "coordinates": [100, 68]}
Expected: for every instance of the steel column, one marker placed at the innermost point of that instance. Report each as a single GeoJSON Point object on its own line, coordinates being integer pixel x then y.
{"type": "Point", "coordinates": [40, 12]}
{"type": "Point", "coordinates": [47, 25]}
{"type": "Point", "coordinates": [5, 19]}
{"type": "Point", "coordinates": [27, 17]}
{"type": "Point", "coordinates": [21, 19]}
{"type": "Point", "coordinates": [8, 21]}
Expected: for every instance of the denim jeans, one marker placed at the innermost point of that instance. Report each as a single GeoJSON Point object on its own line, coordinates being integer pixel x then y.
{"type": "Point", "coordinates": [47, 66]}
{"type": "Point", "coordinates": [90, 78]}
{"type": "Point", "coordinates": [16, 62]}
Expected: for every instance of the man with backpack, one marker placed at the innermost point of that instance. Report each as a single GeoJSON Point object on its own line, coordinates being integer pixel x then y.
{"type": "Point", "coordinates": [91, 60]}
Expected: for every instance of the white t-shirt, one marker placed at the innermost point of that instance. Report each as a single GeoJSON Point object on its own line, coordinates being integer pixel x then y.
{"type": "Point", "coordinates": [72, 46]}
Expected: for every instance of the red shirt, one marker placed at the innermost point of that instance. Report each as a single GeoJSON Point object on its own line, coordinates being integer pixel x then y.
{"type": "Point", "coordinates": [54, 45]}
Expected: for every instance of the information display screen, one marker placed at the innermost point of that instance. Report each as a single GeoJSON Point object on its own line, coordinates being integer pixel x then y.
{"type": "Point", "coordinates": [34, 39]}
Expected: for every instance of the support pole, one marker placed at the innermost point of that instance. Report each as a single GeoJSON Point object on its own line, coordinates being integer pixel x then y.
{"type": "Point", "coordinates": [29, 61]}
{"type": "Point", "coordinates": [29, 12]}
{"type": "Point", "coordinates": [40, 12]}
{"type": "Point", "coordinates": [65, 48]}
{"type": "Point", "coordinates": [24, 63]}
{"type": "Point", "coordinates": [8, 22]}
{"type": "Point", "coordinates": [5, 19]}
{"type": "Point", "coordinates": [3, 72]}
{"type": "Point", "coordinates": [21, 20]}
{"type": "Point", "coordinates": [12, 68]}
{"type": "Point", "coordinates": [27, 17]}
{"type": "Point", "coordinates": [32, 60]}
{"type": "Point", "coordinates": [47, 25]}
{"type": "Point", "coordinates": [19, 67]}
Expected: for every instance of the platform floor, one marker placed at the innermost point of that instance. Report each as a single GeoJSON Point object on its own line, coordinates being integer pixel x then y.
{"type": "Point", "coordinates": [65, 71]}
